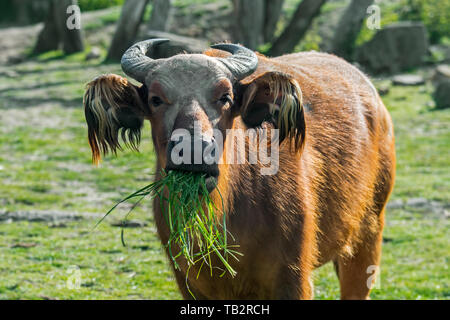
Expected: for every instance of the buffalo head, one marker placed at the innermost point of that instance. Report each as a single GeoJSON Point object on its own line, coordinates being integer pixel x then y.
{"type": "Point", "coordinates": [188, 94]}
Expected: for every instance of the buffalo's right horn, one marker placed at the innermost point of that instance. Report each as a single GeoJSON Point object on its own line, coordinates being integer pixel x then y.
{"type": "Point", "coordinates": [242, 62]}
{"type": "Point", "coordinates": [134, 61]}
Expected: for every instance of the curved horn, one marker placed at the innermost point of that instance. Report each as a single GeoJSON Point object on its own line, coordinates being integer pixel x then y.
{"type": "Point", "coordinates": [241, 63]}
{"type": "Point", "coordinates": [134, 61]}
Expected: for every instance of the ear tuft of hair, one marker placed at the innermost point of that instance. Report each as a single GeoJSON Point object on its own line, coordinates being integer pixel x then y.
{"type": "Point", "coordinates": [112, 105]}
{"type": "Point", "coordinates": [291, 116]}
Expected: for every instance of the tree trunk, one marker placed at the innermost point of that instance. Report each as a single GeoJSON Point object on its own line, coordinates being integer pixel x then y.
{"type": "Point", "coordinates": [24, 12]}
{"type": "Point", "coordinates": [21, 11]}
{"type": "Point", "coordinates": [306, 11]}
{"type": "Point", "coordinates": [272, 15]}
{"type": "Point", "coordinates": [348, 29]}
{"type": "Point", "coordinates": [48, 38]}
{"type": "Point", "coordinates": [127, 28]}
{"type": "Point", "coordinates": [57, 30]}
{"type": "Point", "coordinates": [249, 23]}
{"type": "Point", "coordinates": [161, 15]}
{"type": "Point", "coordinates": [69, 31]}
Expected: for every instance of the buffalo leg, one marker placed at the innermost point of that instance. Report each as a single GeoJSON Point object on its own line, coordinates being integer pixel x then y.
{"type": "Point", "coordinates": [358, 273]}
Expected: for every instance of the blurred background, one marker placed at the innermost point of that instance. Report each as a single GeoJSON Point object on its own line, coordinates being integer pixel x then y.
{"type": "Point", "coordinates": [51, 197]}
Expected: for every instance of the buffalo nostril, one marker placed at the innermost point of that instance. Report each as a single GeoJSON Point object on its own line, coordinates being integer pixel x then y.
{"type": "Point", "coordinates": [197, 154]}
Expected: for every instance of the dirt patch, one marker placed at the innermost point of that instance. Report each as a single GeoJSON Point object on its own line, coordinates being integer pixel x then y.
{"type": "Point", "coordinates": [12, 118]}
{"type": "Point", "coordinates": [15, 41]}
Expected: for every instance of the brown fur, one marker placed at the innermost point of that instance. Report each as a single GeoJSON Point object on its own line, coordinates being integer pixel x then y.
{"type": "Point", "coordinates": [326, 203]}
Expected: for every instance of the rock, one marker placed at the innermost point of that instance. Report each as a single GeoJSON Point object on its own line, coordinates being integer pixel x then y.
{"type": "Point", "coordinates": [16, 59]}
{"type": "Point", "coordinates": [417, 202]}
{"type": "Point", "coordinates": [395, 204]}
{"type": "Point", "coordinates": [441, 82]}
{"type": "Point", "coordinates": [24, 245]}
{"type": "Point", "coordinates": [57, 225]}
{"type": "Point", "coordinates": [95, 53]}
{"type": "Point", "coordinates": [441, 73]}
{"type": "Point", "coordinates": [44, 297]}
{"type": "Point", "coordinates": [421, 205]}
{"type": "Point", "coordinates": [395, 48]}
{"type": "Point", "coordinates": [383, 89]}
{"type": "Point", "coordinates": [426, 206]}
{"type": "Point", "coordinates": [440, 53]}
{"type": "Point", "coordinates": [408, 80]}
{"type": "Point", "coordinates": [430, 104]}
{"type": "Point", "coordinates": [441, 95]}
{"type": "Point", "coordinates": [177, 44]}
{"type": "Point", "coordinates": [437, 207]}
{"type": "Point", "coordinates": [387, 240]}
{"type": "Point", "coordinates": [129, 224]}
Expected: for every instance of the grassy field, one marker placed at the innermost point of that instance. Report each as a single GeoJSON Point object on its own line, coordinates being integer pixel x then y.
{"type": "Point", "coordinates": [45, 166]}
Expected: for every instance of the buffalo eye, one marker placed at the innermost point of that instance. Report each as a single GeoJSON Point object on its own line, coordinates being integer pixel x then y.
{"type": "Point", "coordinates": [156, 101]}
{"type": "Point", "coordinates": [226, 98]}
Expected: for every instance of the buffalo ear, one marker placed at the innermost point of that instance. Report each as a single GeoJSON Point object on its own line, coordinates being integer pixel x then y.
{"type": "Point", "coordinates": [275, 98]}
{"type": "Point", "coordinates": [113, 105]}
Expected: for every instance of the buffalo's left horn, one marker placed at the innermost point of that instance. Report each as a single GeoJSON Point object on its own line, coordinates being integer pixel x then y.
{"type": "Point", "coordinates": [242, 62]}
{"type": "Point", "coordinates": [134, 61]}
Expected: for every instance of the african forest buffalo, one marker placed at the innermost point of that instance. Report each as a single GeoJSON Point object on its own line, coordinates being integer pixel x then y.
{"type": "Point", "coordinates": [336, 164]}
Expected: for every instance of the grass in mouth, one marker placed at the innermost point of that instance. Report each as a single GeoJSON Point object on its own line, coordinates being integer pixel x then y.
{"type": "Point", "coordinates": [197, 229]}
